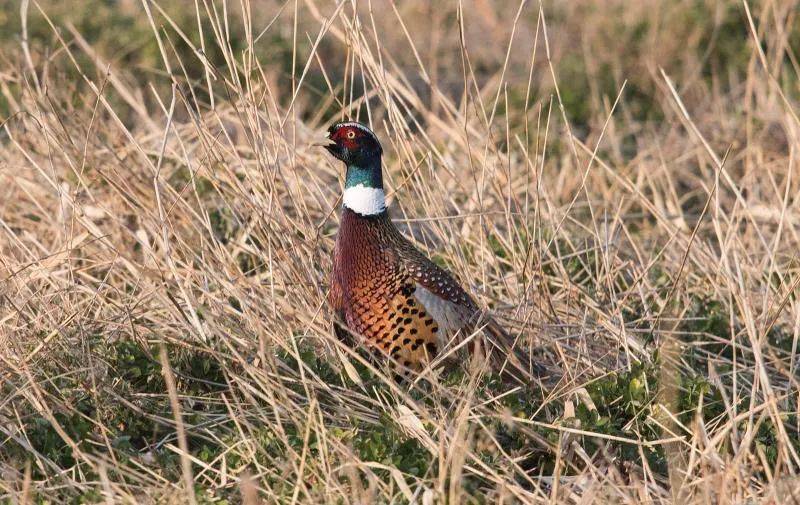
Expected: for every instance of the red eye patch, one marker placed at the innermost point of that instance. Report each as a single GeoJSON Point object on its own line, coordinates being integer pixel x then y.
{"type": "Point", "coordinates": [348, 137]}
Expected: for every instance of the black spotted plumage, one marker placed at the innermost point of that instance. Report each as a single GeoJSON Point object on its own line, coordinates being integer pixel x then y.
{"type": "Point", "coordinates": [373, 292]}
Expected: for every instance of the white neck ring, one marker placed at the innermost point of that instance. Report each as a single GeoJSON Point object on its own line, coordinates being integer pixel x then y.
{"type": "Point", "coordinates": [364, 200]}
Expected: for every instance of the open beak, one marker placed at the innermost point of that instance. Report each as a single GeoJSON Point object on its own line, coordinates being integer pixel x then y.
{"type": "Point", "coordinates": [323, 141]}
{"type": "Point", "coordinates": [328, 144]}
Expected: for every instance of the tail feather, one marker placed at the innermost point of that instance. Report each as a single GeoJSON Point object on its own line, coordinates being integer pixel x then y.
{"type": "Point", "coordinates": [514, 364]}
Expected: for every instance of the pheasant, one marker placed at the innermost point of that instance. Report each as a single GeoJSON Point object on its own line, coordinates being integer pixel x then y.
{"type": "Point", "coordinates": [383, 290]}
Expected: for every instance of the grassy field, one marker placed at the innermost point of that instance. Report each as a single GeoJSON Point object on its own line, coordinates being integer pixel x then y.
{"type": "Point", "coordinates": [616, 181]}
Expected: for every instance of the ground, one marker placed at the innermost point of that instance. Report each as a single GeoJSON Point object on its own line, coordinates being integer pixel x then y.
{"type": "Point", "coordinates": [615, 182]}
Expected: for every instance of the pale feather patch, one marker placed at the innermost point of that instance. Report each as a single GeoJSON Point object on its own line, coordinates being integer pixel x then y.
{"type": "Point", "coordinates": [449, 316]}
{"type": "Point", "coordinates": [364, 200]}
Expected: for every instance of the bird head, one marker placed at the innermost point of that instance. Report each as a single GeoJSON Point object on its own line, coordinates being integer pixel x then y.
{"type": "Point", "coordinates": [353, 143]}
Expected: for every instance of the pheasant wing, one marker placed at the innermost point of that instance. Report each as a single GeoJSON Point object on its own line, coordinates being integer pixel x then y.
{"type": "Point", "coordinates": [455, 310]}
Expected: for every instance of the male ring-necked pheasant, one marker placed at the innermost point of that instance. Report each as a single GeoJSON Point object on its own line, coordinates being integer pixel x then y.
{"type": "Point", "coordinates": [385, 291]}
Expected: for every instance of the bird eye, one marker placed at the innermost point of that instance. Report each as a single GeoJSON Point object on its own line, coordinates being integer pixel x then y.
{"type": "Point", "coordinates": [351, 134]}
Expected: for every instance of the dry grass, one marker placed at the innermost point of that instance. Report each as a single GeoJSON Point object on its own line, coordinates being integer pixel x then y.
{"type": "Point", "coordinates": [616, 182]}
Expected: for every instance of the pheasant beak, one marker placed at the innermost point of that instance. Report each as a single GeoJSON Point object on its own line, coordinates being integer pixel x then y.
{"type": "Point", "coordinates": [329, 145]}
{"type": "Point", "coordinates": [323, 141]}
